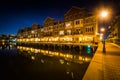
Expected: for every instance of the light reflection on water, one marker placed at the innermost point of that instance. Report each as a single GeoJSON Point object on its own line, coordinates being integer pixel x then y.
{"type": "Point", "coordinates": [43, 64]}
{"type": "Point", "coordinates": [66, 56]}
{"type": "Point", "coordinates": [73, 65]}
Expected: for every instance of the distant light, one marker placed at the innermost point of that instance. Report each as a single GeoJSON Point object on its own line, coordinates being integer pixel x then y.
{"type": "Point", "coordinates": [42, 61]}
{"type": "Point", "coordinates": [33, 58]}
{"type": "Point", "coordinates": [61, 61]}
{"type": "Point", "coordinates": [109, 27]}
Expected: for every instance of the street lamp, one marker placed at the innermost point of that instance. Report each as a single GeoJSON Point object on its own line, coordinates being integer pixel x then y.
{"type": "Point", "coordinates": [102, 29]}
{"type": "Point", "coordinates": [104, 14]}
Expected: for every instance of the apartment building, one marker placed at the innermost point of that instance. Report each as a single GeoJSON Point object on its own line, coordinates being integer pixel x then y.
{"type": "Point", "coordinates": [114, 29]}
{"type": "Point", "coordinates": [77, 27]}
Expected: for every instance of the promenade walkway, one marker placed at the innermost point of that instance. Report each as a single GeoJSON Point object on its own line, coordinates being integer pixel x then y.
{"type": "Point", "coordinates": [105, 66]}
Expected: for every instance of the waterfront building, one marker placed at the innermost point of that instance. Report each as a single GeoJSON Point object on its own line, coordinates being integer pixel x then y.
{"type": "Point", "coordinates": [78, 26]}
{"type": "Point", "coordinates": [114, 30]}
{"type": "Point", "coordinates": [7, 38]}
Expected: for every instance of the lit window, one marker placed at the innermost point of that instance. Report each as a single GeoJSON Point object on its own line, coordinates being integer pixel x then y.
{"type": "Point", "coordinates": [67, 24]}
{"type": "Point", "coordinates": [61, 32]}
{"type": "Point", "coordinates": [68, 31]}
{"type": "Point", "coordinates": [42, 30]}
{"type": "Point", "coordinates": [32, 31]}
{"type": "Point", "coordinates": [79, 31]}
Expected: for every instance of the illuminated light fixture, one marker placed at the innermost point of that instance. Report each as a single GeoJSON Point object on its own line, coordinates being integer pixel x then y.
{"type": "Point", "coordinates": [27, 40]}
{"type": "Point", "coordinates": [32, 39]}
{"type": "Point", "coordinates": [20, 40]}
{"type": "Point", "coordinates": [55, 39]}
{"type": "Point", "coordinates": [61, 55]}
{"type": "Point", "coordinates": [104, 13]}
{"type": "Point", "coordinates": [80, 58]}
{"type": "Point", "coordinates": [46, 52]}
{"type": "Point", "coordinates": [56, 54]}
{"type": "Point", "coordinates": [80, 39]}
{"type": "Point", "coordinates": [102, 29]}
{"type": "Point", "coordinates": [27, 48]}
{"type": "Point", "coordinates": [23, 39]}
{"type": "Point", "coordinates": [86, 59]}
{"type": "Point", "coordinates": [36, 39]}
{"type": "Point", "coordinates": [83, 59]}
{"type": "Point", "coordinates": [50, 39]}
{"type": "Point", "coordinates": [68, 39]}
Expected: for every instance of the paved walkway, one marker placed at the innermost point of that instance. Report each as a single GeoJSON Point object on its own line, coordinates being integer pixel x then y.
{"type": "Point", "coordinates": [105, 66]}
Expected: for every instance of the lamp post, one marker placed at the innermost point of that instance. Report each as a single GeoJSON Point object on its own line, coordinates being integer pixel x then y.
{"type": "Point", "coordinates": [104, 15]}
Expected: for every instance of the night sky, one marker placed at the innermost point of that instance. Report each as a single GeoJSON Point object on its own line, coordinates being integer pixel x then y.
{"type": "Point", "coordinates": [16, 14]}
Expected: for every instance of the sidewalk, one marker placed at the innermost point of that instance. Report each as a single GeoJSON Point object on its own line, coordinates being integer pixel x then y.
{"type": "Point", "coordinates": [104, 66]}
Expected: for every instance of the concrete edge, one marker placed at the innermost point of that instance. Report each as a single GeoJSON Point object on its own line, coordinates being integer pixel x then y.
{"type": "Point", "coordinates": [95, 68]}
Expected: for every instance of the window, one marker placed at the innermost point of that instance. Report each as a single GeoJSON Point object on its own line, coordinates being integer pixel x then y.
{"type": "Point", "coordinates": [61, 32]}
{"type": "Point", "coordinates": [81, 21]}
{"type": "Point", "coordinates": [79, 31]}
{"type": "Point", "coordinates": [56, 27]}
{"type": "Point", "coordinates": [89, 29]}
{"type": "Point", "coordinates": [56, 33]}
{"type": "Point", "coordinates": [77, 22]}
{"type": "Point", "coordinates": [92, 29]}
{"type": "Point", "coordinates": [67, 24]}
{"type": "Point", "coordinates": [86, 30]}
{"type": "Point", "coordinates": [68, 32]}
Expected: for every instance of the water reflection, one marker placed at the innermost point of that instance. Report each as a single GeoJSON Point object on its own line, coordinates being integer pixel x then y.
{"type": "Point", "coordinates": [66, 56]}
{"type": "Point", "coordinates": [39, 64]}
{"type": "Point", "coordinates": [8, 46]}
{"type": "Point", "coordinates": [64, 65]}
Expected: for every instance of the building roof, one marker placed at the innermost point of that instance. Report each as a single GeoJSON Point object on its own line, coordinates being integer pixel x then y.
{"type": "Point", "coordinates": [74, 8]}
{"type": "Point", "coordinates": [48, 18]}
